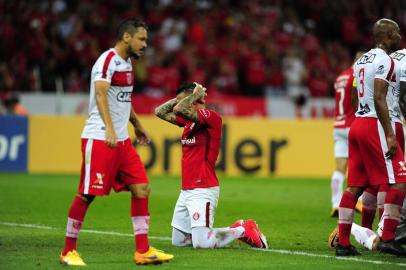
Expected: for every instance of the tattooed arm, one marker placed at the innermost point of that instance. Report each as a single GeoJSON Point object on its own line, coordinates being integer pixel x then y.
{"type": "Point", "coordinates": [165, 111]}
{"type": "Point", "coordinates": [184, 108]}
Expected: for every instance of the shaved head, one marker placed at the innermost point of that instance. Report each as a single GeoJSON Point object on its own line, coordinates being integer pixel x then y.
{"type": "Point", "coordinates": [387, 31]}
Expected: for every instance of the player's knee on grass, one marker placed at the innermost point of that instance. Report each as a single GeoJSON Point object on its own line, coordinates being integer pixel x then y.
{"type": "Point", "coordinates": [86, 197]}
{"type": "Point", "coordinates": [140, 191]}
{"type": "Point", "coordinates": [180, 238]}
{"type": "Point", "coordinates": [203, 237]}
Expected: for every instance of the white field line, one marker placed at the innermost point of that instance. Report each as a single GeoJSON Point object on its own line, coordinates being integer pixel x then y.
{"type": "Point", "coordinates": [278, 251]}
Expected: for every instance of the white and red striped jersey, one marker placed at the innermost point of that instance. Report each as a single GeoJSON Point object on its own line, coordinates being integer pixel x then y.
{"type": "Point", "coordinates": [110, 67]}
{"type": "Point", "coordinates": [375, 64]}
{"type": "Point", "coordinates": [399, 75]}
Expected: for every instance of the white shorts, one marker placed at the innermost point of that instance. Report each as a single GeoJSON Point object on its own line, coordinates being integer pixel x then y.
{"type": "Point", "coordinates": [195, 208]}
{"type": "Point", "coordinates": [341, 142]}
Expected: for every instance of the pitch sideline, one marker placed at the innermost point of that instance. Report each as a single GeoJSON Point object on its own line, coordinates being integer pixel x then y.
{"type": "Point", "coordinates": [277, 251]}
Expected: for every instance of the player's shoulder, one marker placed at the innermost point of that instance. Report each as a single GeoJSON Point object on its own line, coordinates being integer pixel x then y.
{"type": "Point", "coordinates": [399, 55]}
{"type": "Point", "coordinates": [107, 55]}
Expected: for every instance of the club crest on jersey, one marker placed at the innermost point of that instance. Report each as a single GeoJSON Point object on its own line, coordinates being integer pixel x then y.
{"type": "Point", "coordinates": [206, 113]}
{"type": "Point", "coordinates": [129, 77]}
{"type": "Point", "coordinates": [117, 62]}
{"type": "Point", "coordinates": [124, 96]}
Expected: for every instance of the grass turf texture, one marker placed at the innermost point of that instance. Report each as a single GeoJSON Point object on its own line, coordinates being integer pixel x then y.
{"type": "Point", "coordinates": [293, 213]}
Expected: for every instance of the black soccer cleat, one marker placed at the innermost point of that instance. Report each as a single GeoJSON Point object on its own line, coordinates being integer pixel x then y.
{"type": "Point", "coordinates": [391, 247]}
{"type": "Point", "coordinates": [342, 251]}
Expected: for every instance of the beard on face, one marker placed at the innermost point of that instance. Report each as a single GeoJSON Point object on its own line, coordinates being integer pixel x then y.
{"type": "Point", "coordinates": [132, 53]}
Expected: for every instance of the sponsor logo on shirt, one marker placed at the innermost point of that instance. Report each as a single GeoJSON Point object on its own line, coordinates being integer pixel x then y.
{"type": "Point", "coordinates": [397, 55]}
{"type": "Point", "coordinates": [188, 141]}
{"type": "Point", "coordinates": [366, 58]}
{"type": "Point", "coordinates": [380, 70]}
{"type": "Point", "coordinates": [124, 96]}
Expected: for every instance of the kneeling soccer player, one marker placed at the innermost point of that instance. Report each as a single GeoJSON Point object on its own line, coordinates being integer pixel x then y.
{"type": "Point", "coordinates": [193, 216]}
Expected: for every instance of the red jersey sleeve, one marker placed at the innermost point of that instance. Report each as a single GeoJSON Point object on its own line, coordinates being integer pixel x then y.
{"type": "Point", "coordinates": [181, 121]}
{"type": "Point", "coordinates": [209, 117]}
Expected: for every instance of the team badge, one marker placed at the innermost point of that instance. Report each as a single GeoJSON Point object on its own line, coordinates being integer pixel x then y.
{"type": "Point", "coordinates": [129, 77]}
{"type": "Point", "coordinates": [196, 216]}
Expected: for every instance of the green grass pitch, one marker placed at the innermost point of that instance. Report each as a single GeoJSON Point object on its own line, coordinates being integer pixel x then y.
{"type": "Point", "coordinates": [293, 213]}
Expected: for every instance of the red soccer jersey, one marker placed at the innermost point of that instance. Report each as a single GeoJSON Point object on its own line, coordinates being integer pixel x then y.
{"type": "Point", "coordinates": [344, 112]}
{"type": "Point", "coordinates": [200, 149]}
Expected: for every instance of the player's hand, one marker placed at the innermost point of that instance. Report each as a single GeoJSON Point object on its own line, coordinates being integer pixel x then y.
{"type": "Point", "coordinates": [142, 136]}
{"type": "Point", "coordinates": [111, 138]}
{"type": "Point", "coordinates": [392, 146]}
{"type": "Point", "coordinates": [199, 91]}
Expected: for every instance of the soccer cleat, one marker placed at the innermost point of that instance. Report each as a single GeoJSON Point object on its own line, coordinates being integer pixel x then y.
{"type": "Point", "coordinates": [334, 212]}
{"type": "Point", "coordinates": [72, 258]}
{"type": "Point", "coordinates": [333, 238]}
{"type": "Point", "coordinates": [152, 256]}
{"type": "Point", "coordinates": [342, 251]}
{"type": "Point", "coordinates": [391, 247]}
{"type": "Point", "coordinates": [358, 206]}
{"type": "Point", "coordinates": [253, 236]}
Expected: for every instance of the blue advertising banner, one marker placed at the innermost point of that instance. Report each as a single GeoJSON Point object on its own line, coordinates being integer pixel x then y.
{"type": "Point", "coordinates": [13, 143]}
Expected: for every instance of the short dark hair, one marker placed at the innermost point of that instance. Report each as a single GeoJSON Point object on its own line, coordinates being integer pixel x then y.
{"type": "Point", "coordinates": [130, 26]}
{"type": "Point", "coordinates": [186, 87]}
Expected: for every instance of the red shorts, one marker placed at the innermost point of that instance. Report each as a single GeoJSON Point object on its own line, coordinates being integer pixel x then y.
{"type": "Point", "coordinates": [104, 168]}
{"type": "Point", "coordinates": [367, 164]}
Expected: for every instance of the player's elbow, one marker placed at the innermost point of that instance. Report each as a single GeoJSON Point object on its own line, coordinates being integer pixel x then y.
{"type": "Point", "coordinates": [176, 110]}
{"type": "Point", "coordinates": [158, 112]}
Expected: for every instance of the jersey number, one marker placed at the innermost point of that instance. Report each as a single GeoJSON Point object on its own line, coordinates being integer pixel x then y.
{"type": "Point", "coordinates": [341, 91]}
{"type": "Point", "coordinates": [361, 81]}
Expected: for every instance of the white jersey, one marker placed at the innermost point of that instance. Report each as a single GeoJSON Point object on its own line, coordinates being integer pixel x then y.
{"type": "Point", "coordinates": [393, 100]}
{"type": "Point", "coordinates": [375, 64]}
{"type": "Point", "coordinates": [110, 67]}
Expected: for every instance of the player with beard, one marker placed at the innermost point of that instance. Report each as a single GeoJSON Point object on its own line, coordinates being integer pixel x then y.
{"type": "Point", "coordinates": [193, 217]}
{"type": "Point", "coordinates": [375, 158]}
{"type": "Point", "coordinates": [109, 159]}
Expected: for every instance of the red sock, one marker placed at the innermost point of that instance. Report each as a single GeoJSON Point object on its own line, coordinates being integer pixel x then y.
{"type": "Point", "coordinates": [76, 215]}
{"type": "Point", "coordinates": [140, 219]}
{"type": "Point", "coordinates": [368, 207]}
{"type": "Point", "coordinates": [394, 198]}
{"type": "Point", "coordinates": [345, 217]}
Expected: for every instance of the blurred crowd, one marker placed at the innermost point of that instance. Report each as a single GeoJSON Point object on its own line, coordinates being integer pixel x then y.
{"type": "Point", "coordinates": [281, 47]}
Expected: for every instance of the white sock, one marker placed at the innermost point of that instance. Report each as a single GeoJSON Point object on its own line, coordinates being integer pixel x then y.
{"type": "Point", "coordinates": [380, 225]}
{"type": "Point", "coordinates": [337, 181]}
{"type": "Point", "coordinates": [203, 237]}
{"type": "Point", "coordinates": [363, 235]}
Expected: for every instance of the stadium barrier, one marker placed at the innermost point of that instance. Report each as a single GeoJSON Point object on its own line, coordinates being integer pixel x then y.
{"type": "Point", "coordinates": [13, 143]}
{"type": "Point", "coordinates": [257, 146]}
